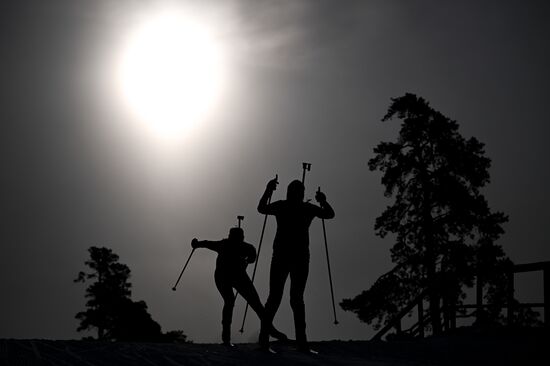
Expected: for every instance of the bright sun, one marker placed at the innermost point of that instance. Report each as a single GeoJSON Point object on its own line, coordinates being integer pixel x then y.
{"type": "Point", "coordinates": [170, 73]}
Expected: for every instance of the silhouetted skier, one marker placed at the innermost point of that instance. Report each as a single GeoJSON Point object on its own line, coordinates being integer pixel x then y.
{"type": "Point", "coordinates": [233, 257]}
{"type": "Point", "coordinates": [290, 254]}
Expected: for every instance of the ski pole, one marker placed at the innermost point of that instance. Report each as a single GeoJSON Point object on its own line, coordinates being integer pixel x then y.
{"type": "Point", "coordinates": [328, 265]}
{"type": "Point", "coordinates": [307, 166]}
{"type": "Point", "coordinates": [185, 266]}
{"type": "Point", "coordinates": [257, 258]}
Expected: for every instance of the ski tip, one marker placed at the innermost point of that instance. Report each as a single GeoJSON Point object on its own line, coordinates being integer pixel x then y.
{"type": "Point", "coordinates": [307, 351]}
{"type": "Point", "coordinates": [268, 350]}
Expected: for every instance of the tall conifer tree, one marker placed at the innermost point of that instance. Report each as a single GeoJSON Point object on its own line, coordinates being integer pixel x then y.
{"type": "Point", "coordinates": [443, 227]}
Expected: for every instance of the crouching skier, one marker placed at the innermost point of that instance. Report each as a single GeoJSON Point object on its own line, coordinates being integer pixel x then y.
{"type": "Point", "coordinates": [234, 254]}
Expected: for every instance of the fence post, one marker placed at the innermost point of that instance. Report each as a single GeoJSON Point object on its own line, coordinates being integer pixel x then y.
{"type": "Point", "coordinates": [546, 280]}
{"type": "Point", "coordinates": [398, 327]}
{"type": "Point", "coordinates": [479, 299]}
{"type": "Point", "coordinates": [510, 297]}
{"type": "Point", "coordinates": [453, 313]}
{"type": "Point", "coordinates": [446, 313]}
{"type": "Point", "coordinates": [421, 318]}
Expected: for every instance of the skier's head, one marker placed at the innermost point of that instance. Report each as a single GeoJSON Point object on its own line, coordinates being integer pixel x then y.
{"type": "Point", "coordinates": [295, 191]}
{"type": "Point", "coordinates": [236, 234]}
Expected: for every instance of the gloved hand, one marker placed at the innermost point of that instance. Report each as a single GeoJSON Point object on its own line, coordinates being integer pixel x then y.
{"type": "Point", "coordinates": [320, 197]}
{"type": "Point", "coordinates": [194, 243]}
{"type": "Point", "coordinates": [272, 185]}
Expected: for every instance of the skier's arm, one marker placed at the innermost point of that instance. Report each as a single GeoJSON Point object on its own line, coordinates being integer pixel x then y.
{"type": "Point", "coordinates": [212, 245]}
{"type": "Point", "coordinates": [263, 206]}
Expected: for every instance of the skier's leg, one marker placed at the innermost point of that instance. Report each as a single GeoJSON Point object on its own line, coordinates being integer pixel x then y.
{"type": "Point", "coordinates": [246, 289]}
{"type": "Point", "coordinates": [277, 277]}
{"type": "Point", "coordinates": [298, 280]}
{"type": "Point", "coordinates": [226, 290]}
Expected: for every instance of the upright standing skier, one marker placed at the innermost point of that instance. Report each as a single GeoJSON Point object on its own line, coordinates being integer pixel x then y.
{"type": "Point", "coordinates": [290, 254]}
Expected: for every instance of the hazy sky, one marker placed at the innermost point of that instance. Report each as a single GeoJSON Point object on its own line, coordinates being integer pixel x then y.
{"type": "Point", "coordinates": [305, 81]}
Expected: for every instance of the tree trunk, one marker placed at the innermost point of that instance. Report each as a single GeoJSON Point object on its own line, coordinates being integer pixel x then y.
{"type": "Point", "coordinates": [431, 269]}
{"type": "Point", "coordinates": [434, 297]}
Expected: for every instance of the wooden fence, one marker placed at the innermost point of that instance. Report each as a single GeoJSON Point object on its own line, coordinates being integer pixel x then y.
{"type": "Point", "coordinates": [451, 311]}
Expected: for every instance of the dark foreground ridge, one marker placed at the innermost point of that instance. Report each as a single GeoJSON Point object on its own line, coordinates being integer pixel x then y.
{"type": "Point", "coordinates": [460, 349]}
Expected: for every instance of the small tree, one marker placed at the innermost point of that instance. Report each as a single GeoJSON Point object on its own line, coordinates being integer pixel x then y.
{"type": "Point", "coordinates": [106, 294]}
{"type": "Point", "coordinates": [110, 309]}
{"type": "Point", "coordinates": [444, 229]}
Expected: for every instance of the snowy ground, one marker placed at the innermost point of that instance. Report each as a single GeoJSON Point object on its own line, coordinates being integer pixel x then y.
{"type": "Point", "coordinates": [495, 349]}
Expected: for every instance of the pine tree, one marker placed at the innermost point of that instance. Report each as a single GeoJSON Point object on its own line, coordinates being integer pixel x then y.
{"type": "Point", "coordinates": [109, 289]}
{"type": "Point", "coordinates": [110, 308]}
{"type": "Point", "coordinates": [444, 230]}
